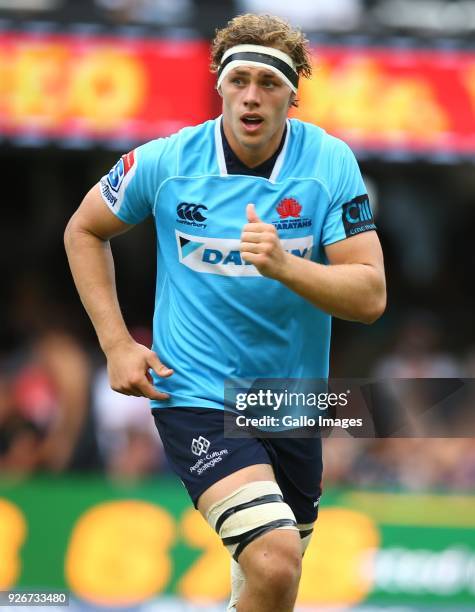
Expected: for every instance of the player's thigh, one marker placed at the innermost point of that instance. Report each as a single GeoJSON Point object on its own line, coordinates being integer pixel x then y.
{"type": "Point", "coordinates": [298, 468]}
{"type": "Point", "coordinates": [209, 465]}
{"type": "Point", "coordinates": [231, 481]}
{"type": "Point", "coordinates": [227, 485]}
{"type": "Point", "coordinates": [246, 509]}
{"type": "Point", "coordinates": [297, 464]}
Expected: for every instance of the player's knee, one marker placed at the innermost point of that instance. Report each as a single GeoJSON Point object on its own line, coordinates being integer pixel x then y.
{"type": "Point", "coordinates": [283, 575]}
{"type": "Point", "coordinates": [275, 567]}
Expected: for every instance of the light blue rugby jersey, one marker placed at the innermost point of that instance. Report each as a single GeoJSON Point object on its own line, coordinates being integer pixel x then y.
{"type": "Point", "coordinates": [215, 316]}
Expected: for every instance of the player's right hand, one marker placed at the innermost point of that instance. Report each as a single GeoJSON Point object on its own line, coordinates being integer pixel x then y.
{"type": "Point", "coordinates": [128, 365]}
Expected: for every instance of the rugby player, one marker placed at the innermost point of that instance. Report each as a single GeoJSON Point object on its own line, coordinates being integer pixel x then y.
{"type": "Point", "coordinates": [264, 232]}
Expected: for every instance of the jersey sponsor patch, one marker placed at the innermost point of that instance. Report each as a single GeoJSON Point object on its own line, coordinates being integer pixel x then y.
{"type": "Point", "coordinates": [113, 185]}
{"type": "Point", "coordinates": [289, 207]}
{"type": "Point", "coordinates": [357, 216]}
{"type": "Point", "coordinates": [289, 210]}
{"type": "Point", "coordinates": [222, 255]}
{"type": "Point", "coordinates": [191, 214]}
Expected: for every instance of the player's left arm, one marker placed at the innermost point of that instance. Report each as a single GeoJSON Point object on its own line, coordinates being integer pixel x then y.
{"type": "Point", "coordinates": [351, 287]}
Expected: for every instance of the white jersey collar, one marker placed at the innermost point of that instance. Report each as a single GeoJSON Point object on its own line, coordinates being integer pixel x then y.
{"type": "Point", "coordinates": [223, 171]}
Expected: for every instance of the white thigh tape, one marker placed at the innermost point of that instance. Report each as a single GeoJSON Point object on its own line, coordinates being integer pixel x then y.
{"type": "Point", "coordinates": [237, 584]}
{"type": "Point", "coordinates": [306, 531]}
{"type": "Point", "coordinates": [251, 511]}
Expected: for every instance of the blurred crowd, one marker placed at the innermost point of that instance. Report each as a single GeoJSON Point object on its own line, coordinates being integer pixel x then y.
{"type": "Point", "coordinates": [58, 414]}
{"type": "Point", "coordinates": [420, 17]}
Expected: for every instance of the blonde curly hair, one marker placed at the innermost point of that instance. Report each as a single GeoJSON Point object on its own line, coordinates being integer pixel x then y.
{"type": "Point", "coordinates": [266, 30]}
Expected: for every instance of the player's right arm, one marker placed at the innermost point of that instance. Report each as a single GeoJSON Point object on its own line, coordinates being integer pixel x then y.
{"type": "Point", "coordinates": [89, 254]}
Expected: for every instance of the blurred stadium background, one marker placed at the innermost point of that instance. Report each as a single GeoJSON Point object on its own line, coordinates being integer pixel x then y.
{"type": "Point", "coordinates": [87, 502]}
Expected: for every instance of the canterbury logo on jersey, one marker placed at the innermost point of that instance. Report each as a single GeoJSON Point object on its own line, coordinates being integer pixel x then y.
{"type": "Point", "coordinates": [222, 255]}
{"type": "Point", "coordinates": [191, 214]}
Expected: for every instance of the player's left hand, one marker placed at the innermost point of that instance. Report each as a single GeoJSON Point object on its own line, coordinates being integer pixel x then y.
{"type": "Point", "coordinates": [260, 245]}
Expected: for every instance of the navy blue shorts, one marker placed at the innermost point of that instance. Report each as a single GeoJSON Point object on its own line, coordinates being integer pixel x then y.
{"type": "Point", "coordinates": [195, 446]}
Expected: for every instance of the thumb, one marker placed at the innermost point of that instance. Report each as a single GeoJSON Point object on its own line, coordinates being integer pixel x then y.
{"type": "Point", "coordinates": [251, 214]}
{"type": "Point", "coordinates": [157, 366]}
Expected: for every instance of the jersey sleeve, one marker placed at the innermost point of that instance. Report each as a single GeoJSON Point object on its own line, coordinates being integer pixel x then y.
{"type": "Point", "coordinates": [130, 187]}
{"type": "Point", "coordinates": [349, 211]}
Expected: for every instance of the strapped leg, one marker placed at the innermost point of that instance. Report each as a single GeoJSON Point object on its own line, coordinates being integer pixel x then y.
{"type": "Point", "coordinates": [249, 512]}
{"type": "Point", "coordinates": [237, 584]}
{"type": "Point", "coordinates": [306, 531]}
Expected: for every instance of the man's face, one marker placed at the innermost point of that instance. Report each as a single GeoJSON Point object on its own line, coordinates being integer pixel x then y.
{"type": "Point", "coordinates": [255, 106]}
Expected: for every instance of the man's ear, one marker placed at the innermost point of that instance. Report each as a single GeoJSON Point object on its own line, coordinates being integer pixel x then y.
{"type": "Point", "coordinates": [218, 89]}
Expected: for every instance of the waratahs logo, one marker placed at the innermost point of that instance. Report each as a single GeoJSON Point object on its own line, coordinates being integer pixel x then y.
{"type": "Point", "coordinates": [289, 207]}
{"type": "Point", "coordinates": [289, 210]}
{"type": "Point", "coordinates": [191, 214]}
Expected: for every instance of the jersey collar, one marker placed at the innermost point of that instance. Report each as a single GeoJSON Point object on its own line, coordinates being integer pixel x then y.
{"type": "Point", "coordinates": [223, 171]}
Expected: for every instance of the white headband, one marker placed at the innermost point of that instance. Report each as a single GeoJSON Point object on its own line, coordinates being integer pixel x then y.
{"type": "Point", "coordinates": [257, 55]}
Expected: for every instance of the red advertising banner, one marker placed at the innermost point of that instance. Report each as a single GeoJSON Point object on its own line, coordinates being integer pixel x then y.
{"type": "Point", "coordinates": [110, 88]}
{"type": "Point", "coordinates": [99, 87]}
{"type": "Point", "coordinates": [406, 99]}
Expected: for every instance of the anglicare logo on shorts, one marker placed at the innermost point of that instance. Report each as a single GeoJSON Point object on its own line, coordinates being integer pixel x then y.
{"type": "Point", "coordinates": [357, 216]}
{"type": "Point", "coordinates": [200, 446]}
{"type": "Point", "coordinates": [289, 210]}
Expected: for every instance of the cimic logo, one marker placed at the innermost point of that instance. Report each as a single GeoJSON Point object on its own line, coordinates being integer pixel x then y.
{"type": "Point", "coordinates": [356, 213]}
{"type": "Point", "coordinates": [200, 446]}
{"type": "Point", "coordinates": [191, 214]}
{"type": "Point", "coordinates": [357, 216]}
